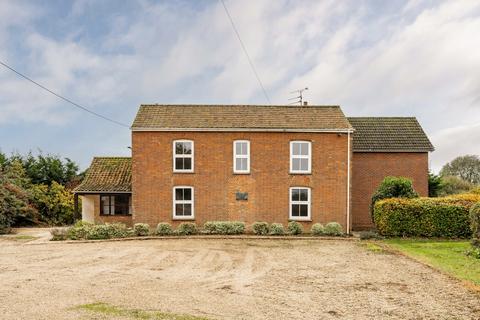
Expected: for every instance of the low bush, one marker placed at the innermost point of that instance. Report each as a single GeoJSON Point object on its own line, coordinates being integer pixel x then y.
{"type": "Point", "coordinates": [317, 229]}
{"type": "Point", "coordinates": [333, 229]}
{"type": "Point", "coordinates": [163, 229]}
{"type": "Point", "coordinates": [141, 229]}
{"type": "Point", "coordinates": [392, 187]}
{"type": "Point", "coordinates": [260, 228]}
{"type": "Point", "coordinates": [366, 235]}
{"type": "Point", "coordinates": [58, 234]}
{"type": "Point", "coordinates": [97, 232]}
{"type": "Point", "coordinates": [118, 230]}
{"type": "Point", "coordinates": [79, 230]}
{"type": "Point", "coordinates": [474, 252]}
{"type": "Point", "coordinates": [426, 217]}
{"type": "Point", "coordinates": [276, 229]}
{"type": "Point", "coordinates": [224, 227]}
{"type": "Point", "coordinates": [186, 228]}
{"type": "Point", "coordinates": [294, 228]}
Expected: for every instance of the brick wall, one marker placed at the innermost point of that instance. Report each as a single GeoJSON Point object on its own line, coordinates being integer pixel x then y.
{"type": "Point", "coordinates": [215, 184]}
{"type": "Point", "coordinates": [368, 171]}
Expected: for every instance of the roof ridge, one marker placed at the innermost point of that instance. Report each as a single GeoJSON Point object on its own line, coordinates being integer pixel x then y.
{"type": "Point", "coordinates": [388, 117]}
{"type": "Point", "coordinates": [237, 105]}
{"type": "Point", "coordinates": [111, 157]}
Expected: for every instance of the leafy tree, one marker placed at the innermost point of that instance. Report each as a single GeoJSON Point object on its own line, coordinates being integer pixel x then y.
{"type": "Point", "coordinates": [54, 202]}
{"type": "Point", "coordinates": [393, 187]}
{"type": "Point", "coordinates": [44, 169]}
{"type": "Point", "coordinates": [453, 185]}
{"type": "Point", "coordinates": [465, 167]}
{"type": "Point", "coordinates": [15, 205]}
{"type": "Point", "coordinates": [434, 184]}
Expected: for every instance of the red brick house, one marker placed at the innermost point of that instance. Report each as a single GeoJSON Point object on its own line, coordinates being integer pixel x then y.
{"type": "Point", "coordinates": [253, 163]}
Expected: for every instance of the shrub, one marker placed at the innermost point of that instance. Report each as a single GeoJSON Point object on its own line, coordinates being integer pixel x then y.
{"type": "Point", "coordinates": [224, 227]}
{"type": "Point", "coordinates": [365, 235]}
{"type": "Point", "coordinates": [99, 231]}
{"type": "Point", "coordinates": [317, 229]}
{"type": "Point", "coordinates": [454, 185]}
{"type": "Point", "coordinates": [474, 252]}
{"type": "Point", "coordinates": [276, 229]}
{"type": "Point", "coordinates": [58, 234]}
{"type": "Point", "coordinates": [186, 228]}
{"type": "Point", "coordinates": [260, 228]}
{"type": "Point", "coordinates": [425, 217]}
{"type": "Point", "coordinates": [475, 224]}
{"type": "Point", "coordinates": [392, 187]}
{"type": "Point", "coordinates": [117, 230]}
{"type": "Point", "coordinates": [294, 228]}
{"type": "Point", "coordinates": [79, 230]}
{"type": "Point", "coordinates": [164, 229]}
{"type": "Point", "coordinates": [141, 229]}
{"type": "Point", "coordinates": [333, 229]}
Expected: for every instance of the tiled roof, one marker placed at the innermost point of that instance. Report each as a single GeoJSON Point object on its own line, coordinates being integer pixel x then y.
{"type": "Point", "coordinates": [108, 174]}
{"type": "Point", "coordinates": [249, 117]}
{"type": "Point", "coordinates": [389, 134]}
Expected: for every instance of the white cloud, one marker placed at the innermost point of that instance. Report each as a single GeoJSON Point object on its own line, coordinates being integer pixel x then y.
{"type": "Point", "coordinates": [422, 60]}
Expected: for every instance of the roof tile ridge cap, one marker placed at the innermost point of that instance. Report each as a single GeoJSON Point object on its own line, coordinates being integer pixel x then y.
{"type": "Point", "coordinates": [238, 105]}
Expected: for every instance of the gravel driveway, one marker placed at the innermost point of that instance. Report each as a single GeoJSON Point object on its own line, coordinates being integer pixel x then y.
{"type": "Point", "coordinates": [225, 279]}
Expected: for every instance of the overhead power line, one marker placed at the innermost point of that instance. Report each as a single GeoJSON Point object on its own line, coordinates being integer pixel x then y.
{"type": "Point", "coordinates": [79, 106]}
{"type": "Point", "coordinates": [245, 51]}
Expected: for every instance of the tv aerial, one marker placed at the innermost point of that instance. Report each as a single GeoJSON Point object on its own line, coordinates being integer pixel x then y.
{"type": "Point", "coordinates": [299, 98]}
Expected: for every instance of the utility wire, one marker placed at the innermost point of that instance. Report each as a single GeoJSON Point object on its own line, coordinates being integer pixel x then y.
{"type": "Point", "coordinates": [63, 98]}
{"type": "Point", "coordinates": [245, 50]}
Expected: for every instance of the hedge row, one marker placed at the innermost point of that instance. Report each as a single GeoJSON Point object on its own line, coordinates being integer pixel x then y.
{"type": "Point", "coordinates": [89, 231]}
{"type": "Point", "coordinates": [425, 217]}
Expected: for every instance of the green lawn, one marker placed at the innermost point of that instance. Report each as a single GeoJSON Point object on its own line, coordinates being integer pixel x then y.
{"type": "Point", "coordinates": [111, 311]}
{"type": "Point", "coordinates": [445, 255]}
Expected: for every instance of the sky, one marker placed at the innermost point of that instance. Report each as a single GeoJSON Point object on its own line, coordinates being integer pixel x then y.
{"type": "Point", "coordinates": [373, 58]}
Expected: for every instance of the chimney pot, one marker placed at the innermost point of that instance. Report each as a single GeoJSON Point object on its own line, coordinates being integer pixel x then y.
{"type": "Point", "coordinates": [305, 103]}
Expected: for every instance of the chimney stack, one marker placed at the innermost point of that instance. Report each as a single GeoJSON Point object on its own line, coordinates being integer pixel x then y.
{"type": "Point", "coordinates": [305, 103]}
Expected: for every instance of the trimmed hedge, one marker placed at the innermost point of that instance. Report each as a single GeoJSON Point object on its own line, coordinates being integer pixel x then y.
{"type": "Point", "coordinates": [141, 229]}
{"type": "Point", "coordinates": [294, 228]}
{"type": "Point", "coordinates": [317, 229]}
{"type": "Point", "coordinates": [186, 228]}
{"type": "Point", "coordinates": [333, 229]}
{"type": "Point", "coordinates": [260, 228]}
{"type": "Point", "coordinates": [164, 229]}
{"type": "Point", "coordinates": [425, 217]}
{"type": "Point", "coordinates": [475, 224]}
{"type": "Point", "coordinates": [224, 227]}
{"type": "Point", "coordinates": [276, 229]}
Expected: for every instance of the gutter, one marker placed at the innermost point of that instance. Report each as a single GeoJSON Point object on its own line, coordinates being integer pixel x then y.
{"type": "Point", "coordinates": [344, 130]}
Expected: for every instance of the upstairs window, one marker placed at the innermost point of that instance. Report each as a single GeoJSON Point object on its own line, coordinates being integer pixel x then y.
{"type": "Point", "coordinates": [241, 156]}
{"type": "Point", "coordinates": [299, 203]}
{"type": "Point", "coordinates": [182, 156]}
{"type": "Point", "coordinates": [300, 157]}
{"type": "Point", "coordinates": [183, 202]}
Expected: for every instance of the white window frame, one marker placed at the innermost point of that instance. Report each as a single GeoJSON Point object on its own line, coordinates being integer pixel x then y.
{"type": "Point", "coordinates": [191, 156]}
{"type": "Point", "coordinates": [308, 202]}
{"type": "Point", "coordinates": [241, 156]}
{"type": "Point", "coordinates": [175, 201]}
{"type": "Point", "coordinates": [309, 157]}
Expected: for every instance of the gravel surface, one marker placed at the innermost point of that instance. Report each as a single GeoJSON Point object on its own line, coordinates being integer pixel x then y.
{"type": "Point", "coordinates": [225, 279]}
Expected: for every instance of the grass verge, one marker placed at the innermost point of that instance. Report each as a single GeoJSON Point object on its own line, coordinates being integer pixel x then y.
{"type": "Point", "coordinates": [115, 311]}
{"type": "Point", "coordinates": [447, 256]}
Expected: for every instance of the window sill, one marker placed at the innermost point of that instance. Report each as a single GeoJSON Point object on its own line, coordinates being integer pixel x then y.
{"type": "Point", "coordinates": [300, 220]}
{"type": "Point", "coordinates": [300, 173]}
{"type": "Point", "coordinates": [115, 215]}
{"type": "Point", "coordinates": [241, 173]}
{"type": "Point", "coordinates": [183, 171]}
{"type": "Point", "coordinates": [180, 218]}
